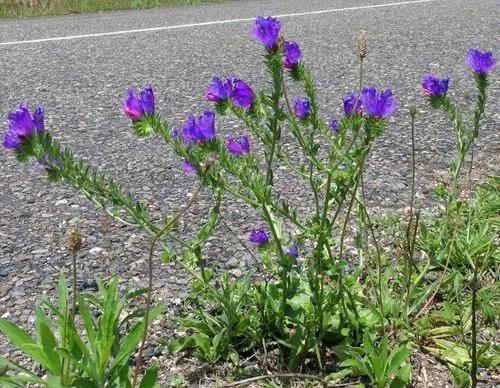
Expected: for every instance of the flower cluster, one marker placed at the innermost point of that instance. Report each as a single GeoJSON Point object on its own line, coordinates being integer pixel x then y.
{"type": "Point", "coordinates": [259, 236]}
{"type": "Point", "coordinates": [237, 90]}
{"type": "Point", "coordinates": [375, 103]}
{"type": "Point", "coordinates": [352, 103]}
{"type": "Point", "coordinates": [291, 55]}
{"type": "Point", "coordinates": [137, 107]}
{"type": "Point", "coordinates": [239, 147]}
{"type": "Point", "coordinates": [197, 132]}
{"type": "Point", "coordinates": [267, 31]}
{"type": "Point", "coordinates": [22, 125]}
{"type": "Point", "coordinates": [301, 108]}
{"type": "Point", "coordinates": [435, 87]}
{"type": "Point", "coordinates": [481, 63]}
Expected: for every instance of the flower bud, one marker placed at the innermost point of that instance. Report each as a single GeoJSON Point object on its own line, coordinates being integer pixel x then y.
{"type": "Point", "coordinates": [74, 240]}
{"type": "Point", "coordinates": [362, 46]}
{"type": "Point", "coordinates": [412, 110]}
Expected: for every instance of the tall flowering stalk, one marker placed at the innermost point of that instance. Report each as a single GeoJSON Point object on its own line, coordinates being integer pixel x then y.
{"type": "Point", "coordinates": [436, 89]}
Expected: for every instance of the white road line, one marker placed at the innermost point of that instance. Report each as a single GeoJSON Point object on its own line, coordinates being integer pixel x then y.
{"type": "Point", "coordinates": [215, 22]}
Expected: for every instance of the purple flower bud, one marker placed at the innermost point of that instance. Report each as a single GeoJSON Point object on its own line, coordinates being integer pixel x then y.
{"type": "Point", "coordinates": [243, 95]}
{"type": "Point", "coordinates": [240, 147]}
{"type": "Point", "coordinates": [267, 31]}
{"type": "Point", "coordinates": [259, 236]}
{"type": "Point", "coordinates": [334, 125]}
{"type": "Point", "coordinates": [175, 133]}
{"type": "Point", "coordinates": [481, 63]}
{"type": "Point", "coordinates": [435, 87]}
{"type": "Point", "coordinates": [38, 116]}
{"type": "Point", "coordinates": [352, 104]}
{"type": "Point", "coordinates": [378, 104]}
{"type": "Point", "coordinates": [137, 107]}
{"type": "Point", "coordinates": [22, 125]}
{"type": "Point", "coordinates": [292, 55]}
{"type": "Point", "coordinates": [219, 90]}
{"type": "Point", "coordinates": [302, 107]}
{"type": "Point", "coordinates": [201, 131]}
{"type": "Point", "coordinates": [188, 167]}
{"type": "Point", "coordinates": [294, 250]}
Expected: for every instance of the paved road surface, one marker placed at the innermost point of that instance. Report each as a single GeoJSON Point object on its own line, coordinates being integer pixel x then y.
{"type": "Point", "coordinates": [81, 83]}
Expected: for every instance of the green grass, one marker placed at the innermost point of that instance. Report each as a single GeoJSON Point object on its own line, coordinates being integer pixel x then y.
{"type": "Point", "coordinates": [28, 8]}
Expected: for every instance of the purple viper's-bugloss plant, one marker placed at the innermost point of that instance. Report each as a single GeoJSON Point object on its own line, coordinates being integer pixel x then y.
{"type": "Point", "coordinates": [243, 95]}
{"type": "Point", "coordinates": [291, 55]}
{"type": "Point", "coordinates": [267, 31]}
{"type": "Point", "coordinates": [378, 104]}
{"type": "Point", "coordinates": [198, 132]}
{"type": "Point", "coordinates": [139, 106]}
{"type": "Point", "coordinates": [22, 125]}
{"type": "Point", "coordinates": [259, 236]}
{"type": "Point", "coordinates": [239, 147]}
{"type": "Point", "coordinates": [219, 90]}
{"type": "Point", "coordinates": [435, 87]}
{"type": "Point", "coordinates": [301, 107]}
{"type": "Point", "coordinates": [352, 104]}
{"type": "Point", "coordinates": [481, 63]}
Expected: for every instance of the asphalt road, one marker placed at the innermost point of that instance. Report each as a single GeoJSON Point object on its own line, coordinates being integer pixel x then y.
{"type": "Point", "coordinates": [82, 81]}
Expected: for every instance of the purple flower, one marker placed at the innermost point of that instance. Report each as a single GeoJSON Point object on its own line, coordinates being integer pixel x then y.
{"type": "Point", "coordinates": [188, 167]}
{"type": "Point", "coordinates": [243, 95]}
{"type": "Point", "coordinates": [352, 104]}
{"type": "Point", "coordinates": [294, 250]}
{"type": "Point", "coordinates": [378, 104]}
{"type": "Point", "coordinates": [481, 63]}
{"type": "Point", "coordinates": [136, 107]}
{"type": "Point", "coordinates": [302, 107]}
{"type": "Point", "coordinates": [334, 125]}
{"type": "Point", "coordinates": [201, 131]}
{"type": "Point", "coordinates": [22, 125]}
{"type": "Point", "coordinates": [267, 31]}
{"type": "Point", "coordinates": [292, 55]}
{"type": "Point", "coordinates": [259, 236]}
{"type": "Point", "coordinates": [219, 90]}
{"type": "Point", "coordinates": [239, 147]}
{"type": "Point", "coordinates": [434, 86]}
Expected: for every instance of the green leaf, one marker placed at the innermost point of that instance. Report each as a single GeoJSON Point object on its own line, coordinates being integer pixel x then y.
{"type": "Point", "coordinates": [403, 377]}
{"type": "Point", "coordinates": [24, 373]}
{"type": "Point", "coordinates": [149, 379]}
{"type": "Point", "coordinates": [15, 334]}
{"type": "Point", "coordinates": [180, 344]}
{"type": "Point", "coordinates": [48, 340]}
{"type": "Point", "coordinates": [397, 358]}
{"type": "Point", "coordinates": [129, 344]}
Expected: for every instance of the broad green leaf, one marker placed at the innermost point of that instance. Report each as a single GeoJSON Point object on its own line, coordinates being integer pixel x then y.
{"type": "Point", "coordinates": [129, 344]}
{"type": "Point", "coordinates": [15, 334]}
{"type": "Point", "coordinates": [397, 358]}
{"type": "Point", "coordinates": [149, 379]}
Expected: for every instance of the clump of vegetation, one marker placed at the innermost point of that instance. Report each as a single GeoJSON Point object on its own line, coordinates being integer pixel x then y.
{"type": "Point", "coordinates": [30, 8]}
{"type": "Point", "coordinates": [328, 313]}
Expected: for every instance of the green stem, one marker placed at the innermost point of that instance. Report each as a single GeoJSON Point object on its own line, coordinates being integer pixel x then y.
{"type": "Point", "coordinates": [158, 235]}
{"type": "Point", "coordinates": [284, 272]}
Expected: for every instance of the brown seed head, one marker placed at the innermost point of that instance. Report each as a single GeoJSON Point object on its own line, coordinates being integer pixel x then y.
{"type": "Point", "coordinates": [74, 240]}
{"type": "Point", "coordinates": [362, 46]}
